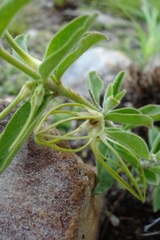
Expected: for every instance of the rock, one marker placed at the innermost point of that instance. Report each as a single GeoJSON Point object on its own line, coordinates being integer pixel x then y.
{"type": "Point", "coordinates": [109, 21]}
{"type": "Point", "coordinates": [48, 4]}
{"type": "Point", "coordinates": [153, 63]}
{"type": "Point", "coordinates": [3, 123]}
{"type": "Point", "coordinates": [107, 63]}
{"type": "Point", "coordinates": [47, 195]}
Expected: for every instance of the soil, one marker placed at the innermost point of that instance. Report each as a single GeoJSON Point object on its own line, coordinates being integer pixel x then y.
{"type": "Point", "coordinates": [128, 218]}
{"type": "Point", "coordinates": [123, 217]}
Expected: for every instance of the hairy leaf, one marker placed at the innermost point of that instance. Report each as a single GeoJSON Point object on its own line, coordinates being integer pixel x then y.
{"type": "Point", "coordinates": [158, 156]}
{"type": "Point", "coordinates": [109, 91]}
{"type": "Point", "coordinates": [129, 117]}
{"type": "Point", "coordinates": [127, 154]}
{"type": "Point", "coordinates": [130, 140]}
{"type": "Point", "coordinates": [95, 86]}
{"type": "Point", "coordinates": [152, 134]}
{"type": "Point", "coordinates": [21, 40]}
{"type": "Point", "coordinates": [118, 83]}
{"type": "Point", "coordinates": [12, 131]}
{"type": "Point", "coordinates": [151, 110]}
{"type": "Point", "coordinates": [109, 103]}
{"type": "Point", "coordinates": [8, 10]}
{"type": "Point", "coordinates": [151, 177]}
{"type": "Point", "coordinates": [156, 144]}
{"type": "Point", "coordinates": [104, 180]}
{"type": "Point", "coordinates": [87, 41]}
{"type": "Point", "coordinates": [120, 95]}
{"type": "Point", "coordinates": [135, 191]}
{"type": "Point", "coordinates": [156, 199]}
{"type": "Point", "coordinates": [127, 111]}
{"type": "Point", "coordinates": [64, 42]}
{"type": "Point", "coordinates": [155, 169]}
{"type": "Point", "coordinates": [74, 28]}
{"type": "Point", "coordinates": [103, 183]}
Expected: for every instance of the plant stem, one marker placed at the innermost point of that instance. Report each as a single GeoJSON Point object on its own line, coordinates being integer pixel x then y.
{"type": "Point", "coordinates": [21, 66]}
{"type": "Point", "coordinates": [70, 94]}
{"type": "Point", "coordinates": [32, 62]}
{"type": "Point", "coordinates": [24, 93]}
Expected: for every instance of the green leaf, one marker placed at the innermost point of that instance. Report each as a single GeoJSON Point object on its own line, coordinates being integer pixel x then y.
{"type": "Point", "coordinates": [76, 28]}
{"type": "Point", "coordinates": [21, 40]}
{"type": "Point", "coordinates": [118, 83]}
{"type": "Point", "coordinates": [130, 140]}
{"type": "Point", "coordinates": [20, 51]}
{"type": "Point", "coordinates": [156, 199]}
{"type": "Point", "coordinates": [95, 86]}
{"type": "Point", "coordinates": [156, 144]}
{"type": "Point", "coordinates": [114, 88]}
{"type": "Point", "coordinates": [120, 95]}
{"type": "Point", "coordinates": [152, 110]}
{"type": "Point", "coordinates": [117, 111]}
{"type": "Point", "coordinates": [64, 42]}
{"type": "Point", "coordinates": [109, 91]}
{"type": "Point", "coordinates": [152, 134]}
{"type": "Point", "coordinates": [155, 169]}
{"type": "Point", "coordinates": [12, 131]}
{"type": "Point", "coordinates": [130, 117]}
{"type": "Point", "coordinates": [158, 156]}
{"type": "Point", "coordinates": [8, 10]}
{"type": "Point", "coordinates": [127, 154]}
{"type": "Point", "coordinates": [109, 103]}
{"type": "Point", "coordinates": [135, 191]}
{"type": "Point", "coordinates": [104, 181]}
{"type": "Point", "coordinates": [89, 40]}
{"type": "Point", "coordinates": [151, 177]}
{"type": "Point", "coordinates": [127, 111]}
{"type": "Point", "coordinates": [130, 157]}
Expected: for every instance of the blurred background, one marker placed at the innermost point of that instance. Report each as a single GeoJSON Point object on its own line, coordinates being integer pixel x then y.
{"type": "Point", "coordinates": [133, 45]}
{"type": "Point", "coordinates": [133, 31]}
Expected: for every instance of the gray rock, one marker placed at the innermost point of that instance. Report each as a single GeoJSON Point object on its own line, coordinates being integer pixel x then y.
{"type": "Point", "coordinates": [108, 20]}
{"type": "Point", "coordinates": [154, 62]}
{"type": "Point", "coordinates": [107, 63]}
{"type": "Point", "coordinates": [47, 195]}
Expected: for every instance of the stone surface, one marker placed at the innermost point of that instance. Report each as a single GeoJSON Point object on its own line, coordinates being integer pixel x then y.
{"type": "Point", "coordinates": [47, 195]}
{"type": "Point", "coordinates": [153, 62]}
{"type": "Point", "coordinates": [107, 63]}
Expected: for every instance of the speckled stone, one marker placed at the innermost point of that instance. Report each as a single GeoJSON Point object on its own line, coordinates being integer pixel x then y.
{"type": "Point", "coordinates": [47, 194]}
{"type": "Point", "coordinates": [107, 64]}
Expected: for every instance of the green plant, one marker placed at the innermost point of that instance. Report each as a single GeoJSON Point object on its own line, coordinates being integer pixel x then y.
{"type": "Point", "coordinates": [148, 36]}
{"type": "Point", "coordinates": [59, 3]}
{"type": "Point", "coordinates": [120, 154]}
{"type": "Point", "coordinates": [146, 30]}
{"type": "Point", "coordinates": [144, 15]}
{"type": "Point", "coordinates": [152, 173]}
{"type": "Point", "coordinates": [121, 7]}
{"type": "Point", "coordinates": [115, 7]}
